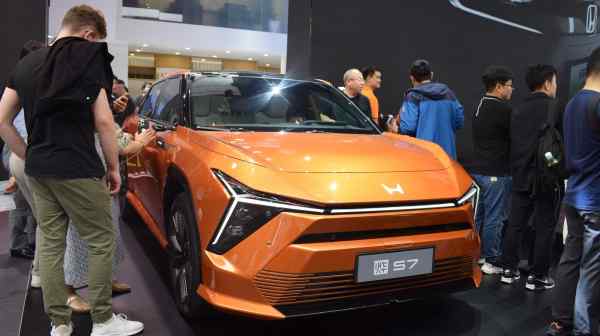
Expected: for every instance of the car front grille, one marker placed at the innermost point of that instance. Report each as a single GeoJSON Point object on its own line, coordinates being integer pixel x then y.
{"type": "Point", "coordinates": [281, 289]}
{"type": "Point", "coordinates": [374, 234]}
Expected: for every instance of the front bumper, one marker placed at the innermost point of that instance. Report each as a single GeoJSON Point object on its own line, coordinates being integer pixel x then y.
{"type": "Point", "coordinates": [296, 265]}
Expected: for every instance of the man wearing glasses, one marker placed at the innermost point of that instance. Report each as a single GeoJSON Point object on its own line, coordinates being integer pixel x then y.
{"type": "Point", "coordinates": [491, 170]}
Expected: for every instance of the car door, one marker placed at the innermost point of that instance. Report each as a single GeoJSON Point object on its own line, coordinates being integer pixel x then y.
{"type": "Point", "coordinates": [166, 112]}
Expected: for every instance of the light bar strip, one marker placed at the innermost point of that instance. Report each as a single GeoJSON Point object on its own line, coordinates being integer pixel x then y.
{"type": "Point", "coordinates": [396, 208]}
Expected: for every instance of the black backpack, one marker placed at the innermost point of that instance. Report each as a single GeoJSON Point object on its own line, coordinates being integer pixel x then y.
{"type": "Point", "coordinates": [549, 154]}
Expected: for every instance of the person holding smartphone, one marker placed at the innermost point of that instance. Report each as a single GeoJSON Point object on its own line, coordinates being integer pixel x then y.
{"type": "Point", "coordinates": [123, 105]}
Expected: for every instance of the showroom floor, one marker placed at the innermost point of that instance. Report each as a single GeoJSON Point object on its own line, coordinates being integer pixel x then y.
{"type": "Point", "coordinates": [490, 310]}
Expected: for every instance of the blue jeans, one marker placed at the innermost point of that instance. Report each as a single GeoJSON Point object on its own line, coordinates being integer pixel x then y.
{"type": "Point", "coordinates": [577, 293]}
{"type": "Point", "coordinates": [492, 213]}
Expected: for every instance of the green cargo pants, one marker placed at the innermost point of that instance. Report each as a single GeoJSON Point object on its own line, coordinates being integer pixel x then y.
{"type": "Point", "coordinates": [87, 203]}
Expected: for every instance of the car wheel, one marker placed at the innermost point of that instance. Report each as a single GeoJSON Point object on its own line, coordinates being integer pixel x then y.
{"type": "Point", "coordinates": [184, 259]}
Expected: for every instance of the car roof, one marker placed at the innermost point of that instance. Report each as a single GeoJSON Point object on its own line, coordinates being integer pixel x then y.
{"type": "Point", "coordinates": [248, 74]}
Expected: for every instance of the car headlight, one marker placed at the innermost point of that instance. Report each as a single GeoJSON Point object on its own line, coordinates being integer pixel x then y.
{"type": "Point", "coordinates": [472, 197]}
{"type": "Point", "coordinates": [248, 211]}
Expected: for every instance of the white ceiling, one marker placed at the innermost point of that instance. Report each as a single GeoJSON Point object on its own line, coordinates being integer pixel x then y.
{"type": "Point", "coordinates": [171, 38]}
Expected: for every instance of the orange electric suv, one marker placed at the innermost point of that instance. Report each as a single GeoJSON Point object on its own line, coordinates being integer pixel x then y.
{"type": "Point", "coordinates": [276, 198]}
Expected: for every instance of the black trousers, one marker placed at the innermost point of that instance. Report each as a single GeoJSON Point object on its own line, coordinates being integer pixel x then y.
{"type": "Point", "coordinates": [572, 265]}
{"type": "Point", "coordinates": [523, 206]}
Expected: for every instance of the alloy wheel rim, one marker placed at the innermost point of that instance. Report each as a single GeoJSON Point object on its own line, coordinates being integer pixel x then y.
{"type": "Point", "coordinates": [182, 269]}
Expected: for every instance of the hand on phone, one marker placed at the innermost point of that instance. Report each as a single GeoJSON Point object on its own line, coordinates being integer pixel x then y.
{"type": "Point", "coordinates": [120, 104]}
{"type": "Point", "coordinates": [392, 124]}
{"type": "Point", "coordinates": [145, 136]}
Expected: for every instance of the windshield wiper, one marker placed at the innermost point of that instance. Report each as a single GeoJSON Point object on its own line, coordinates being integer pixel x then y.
{"type": "Point", "coordinates": [208, 128]}
{"type": "Point", "coordinates": [325, 123]}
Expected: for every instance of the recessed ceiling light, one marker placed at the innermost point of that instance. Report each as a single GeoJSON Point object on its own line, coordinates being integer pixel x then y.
{"type": "Point", "coordinates": [203, 60]}
{"type": "Point", "coordinates": [188, 48]}
{"type": "Point", "coordinates": [132, 54]}
{"type": "Point", "coordinates": [145, 45]}
{"type": "Point", "coordinates": [266, 55]}
{"type": "Point", "coordinates": [215, 56]}
{"type": "Point", "coordinates": [250, 59]}
{"type": "Point", "coordinates": [268, 65]}
{"type": "Point", "coordinates": [178, 53]}
{"type": "Point", "coordinates": [228, 52]}
{"type": "Point", "coordinates": [138, 50]}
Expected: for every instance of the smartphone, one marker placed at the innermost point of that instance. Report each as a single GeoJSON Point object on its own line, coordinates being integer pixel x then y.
{"type": "Point", "coordinates": [143, 124]}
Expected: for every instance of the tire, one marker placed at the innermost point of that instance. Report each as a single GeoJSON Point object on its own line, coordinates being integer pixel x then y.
{"type": "Point", "coordinates": [184, 259]}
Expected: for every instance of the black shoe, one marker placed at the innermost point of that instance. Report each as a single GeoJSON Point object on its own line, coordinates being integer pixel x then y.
{"type": "Point", "coordinates": [24, 253]}
{"type": "Point", "coordinates": [509, 276]}
{"type": "Point", "coordinates": [537, 283]}
{"type": "Point", "coordinates": [557, 329]}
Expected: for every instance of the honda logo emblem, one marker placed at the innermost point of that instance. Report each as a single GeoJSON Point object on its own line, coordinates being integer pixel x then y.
{"type": "Point", "coordinates": [592, 19]}
{"type": "Point", "coordinates": [393, 190]}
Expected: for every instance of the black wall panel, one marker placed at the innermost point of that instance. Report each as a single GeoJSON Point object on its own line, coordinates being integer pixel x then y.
{"type": "Point", "coordinates": [459, 38]}
{"type": "Point", "coordinates": [20, 21]}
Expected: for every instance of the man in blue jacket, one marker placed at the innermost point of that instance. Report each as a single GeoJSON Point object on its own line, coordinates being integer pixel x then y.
{"type": "Point", "coordinates": [430, 110]}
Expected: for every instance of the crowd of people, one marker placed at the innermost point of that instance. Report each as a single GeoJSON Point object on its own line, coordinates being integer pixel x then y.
{"type": "Point", "coordinates": [523, 158]}
{"type": "Point", "coordinates": [63, 104]}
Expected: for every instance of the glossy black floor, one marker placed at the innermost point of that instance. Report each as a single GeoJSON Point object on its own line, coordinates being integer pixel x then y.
{"type": "Point", "coordinates": [492, 309]}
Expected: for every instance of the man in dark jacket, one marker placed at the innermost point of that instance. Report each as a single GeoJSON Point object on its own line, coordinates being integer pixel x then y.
{"type": "Point", "coordinates": [430, 110]}
{"type": "Point", "coordinates": [353, 85]}
{"type": "Point", "coordinates": [491, 140]}
{"type": "Point", "coordinates": [528, 197]}
{"type": "Point", "coordinates": [576, 306]}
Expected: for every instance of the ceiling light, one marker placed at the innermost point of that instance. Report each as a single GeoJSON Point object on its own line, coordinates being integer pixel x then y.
{"type": "Point", "coordinates": [188, 48]}
{"type": "Point", "coordinates": [145, 45]}
{"type": "Point", "coordinates": [132, 54]}
{"type": "Point", "coordinates": [250, 59]}
{"type": "Point", "coordinates": [203, 60]}
{"type": "Point", "coordinates": [138, 50]}
{"type": "Point", "coordinates": [215, 56]}
{"type": "Point", "coordinates": [228, 52]}
{"type": "Point", "coordinates": [266, 55]}
{"type": "Point", "coordinates": [268, 65]}
{"type": "Point", "coordinates": [178, 53]}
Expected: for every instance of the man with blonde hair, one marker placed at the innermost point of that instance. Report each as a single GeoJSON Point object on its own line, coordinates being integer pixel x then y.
{"type": "Point", "coordinates": [64, 93]}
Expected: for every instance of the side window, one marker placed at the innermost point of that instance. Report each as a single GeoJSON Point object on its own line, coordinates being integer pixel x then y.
{"type": "Point", "coordinates": [150, 101]}
{"type": "Point", "coordinates": [168, 102]}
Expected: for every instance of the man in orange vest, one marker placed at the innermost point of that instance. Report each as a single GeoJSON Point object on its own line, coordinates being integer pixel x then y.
{"type": "Point", "coordinates": [372, 78]}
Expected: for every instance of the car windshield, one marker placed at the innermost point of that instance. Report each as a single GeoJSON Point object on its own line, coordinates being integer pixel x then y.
{"type": "Point", "coordinates": [241, 103]}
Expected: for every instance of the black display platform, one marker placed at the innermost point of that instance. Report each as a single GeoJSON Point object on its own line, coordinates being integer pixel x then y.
{"type": "Point", "coordinates": [493, 309]}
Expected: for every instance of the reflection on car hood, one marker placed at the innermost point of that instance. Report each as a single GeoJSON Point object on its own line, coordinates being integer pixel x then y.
{"type": "Point", "coordinates": [326, 152]}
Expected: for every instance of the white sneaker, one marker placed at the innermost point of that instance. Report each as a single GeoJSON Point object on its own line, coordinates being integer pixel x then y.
{"type": "Point", "coordinates": [481, 261]}
{"type": "Point", "coordinates": [36, 281]}
{"type": "Point", "coordinates": [490, 269]}
{"type": "Point", "coordinates": [62, 330]}
{"type": "Point", "coordinates": [118, 325]}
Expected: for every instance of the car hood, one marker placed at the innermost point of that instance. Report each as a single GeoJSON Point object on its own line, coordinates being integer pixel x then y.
{"type": "Point", "coordinates": [327, 152]}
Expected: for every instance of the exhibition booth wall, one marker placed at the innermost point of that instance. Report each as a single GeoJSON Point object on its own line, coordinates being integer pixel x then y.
{"type": "Point", "coordinates": [459, 38]}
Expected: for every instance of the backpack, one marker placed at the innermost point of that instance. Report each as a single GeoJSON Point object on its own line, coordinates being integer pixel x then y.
{"type": "Point", "coordinates": [549, 154]}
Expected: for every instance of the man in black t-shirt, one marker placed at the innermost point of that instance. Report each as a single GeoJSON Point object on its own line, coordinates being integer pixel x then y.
{"type": "Point", "coordinates": [491, 139]}
{"type": "Point", "coordinates": [64, 92]}
{"type": "Point", "coordinates": [353, 85]}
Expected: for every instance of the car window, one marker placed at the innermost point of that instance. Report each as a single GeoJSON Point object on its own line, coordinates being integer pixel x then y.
{"type": "Point", "coordinates": [168, 101]}
{"type": "Point", "coordinates": [150, 101]}
{"type": "Point", "coordinates": [270, 104]}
